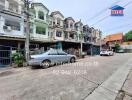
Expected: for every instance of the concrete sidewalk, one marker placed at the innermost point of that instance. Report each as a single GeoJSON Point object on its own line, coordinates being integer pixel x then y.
{"type": "Point", "coordinates": [127, 88]}
{"type": "Point", "coordinates": [108, 90]}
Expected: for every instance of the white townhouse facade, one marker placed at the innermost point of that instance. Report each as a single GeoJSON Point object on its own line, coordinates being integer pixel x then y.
{"type": "Point", "coordinates": [87, 34]}
{"type": "Point", "coordinates": [56, 26]}
{"type": "Point", "coordinates": [11, 19]}
{"type": "Point", "coordinates": [69, 30]}
{"type": "Point", "coordinates": [79, 30]}
{"type": "Point", "coordinates": [39, 23]}
{"type": "Point", "coordinates": [45, 28]}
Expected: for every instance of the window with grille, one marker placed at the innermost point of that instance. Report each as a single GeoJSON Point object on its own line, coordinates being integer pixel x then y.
{"type": "Point", "coordinates": [41, 30]}
{"type": "Point", "coordinates": [13, 24]}
{"type": "Point", "coordinates": [59, 34]}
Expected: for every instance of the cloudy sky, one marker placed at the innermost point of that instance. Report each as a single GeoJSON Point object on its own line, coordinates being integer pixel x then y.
{"type": "Point", "coordinates": [86, 10]}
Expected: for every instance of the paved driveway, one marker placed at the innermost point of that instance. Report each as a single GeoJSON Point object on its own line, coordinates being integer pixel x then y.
{"type": "Point", "coordinates": [64, 82]}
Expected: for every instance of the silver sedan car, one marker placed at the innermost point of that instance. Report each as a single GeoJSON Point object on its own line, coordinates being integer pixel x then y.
{"type": "Point", "coordinates": [51, 57]}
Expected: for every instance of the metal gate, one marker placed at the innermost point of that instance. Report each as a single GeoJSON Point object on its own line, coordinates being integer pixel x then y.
{"type": "Point", "coordinates": [5, 55]}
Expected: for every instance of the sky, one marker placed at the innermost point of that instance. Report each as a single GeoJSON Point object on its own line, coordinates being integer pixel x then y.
{"type": "Point", "coordinates": [86, 10]}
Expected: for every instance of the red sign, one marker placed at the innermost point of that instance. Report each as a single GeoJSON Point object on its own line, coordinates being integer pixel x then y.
{"type": "Point", "coordinates": [117, 12]}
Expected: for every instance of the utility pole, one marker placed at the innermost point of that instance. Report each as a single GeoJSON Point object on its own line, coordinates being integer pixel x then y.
{"type": "Point", "coordinates": [100, 36]}
{"type": "Point", "coordinates": [26, 11]}
{"type": "Point", "coordinates": [91, 39]}
{"type": "Point", "coordinates": [81, 47]}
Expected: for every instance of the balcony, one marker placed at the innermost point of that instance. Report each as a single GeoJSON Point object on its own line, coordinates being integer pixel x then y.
{"type": "Point", "coordinates": [14, 6]}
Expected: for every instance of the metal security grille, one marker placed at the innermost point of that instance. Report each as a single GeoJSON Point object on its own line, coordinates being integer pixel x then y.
{"type": "Point", "coordinates": [5, 55]}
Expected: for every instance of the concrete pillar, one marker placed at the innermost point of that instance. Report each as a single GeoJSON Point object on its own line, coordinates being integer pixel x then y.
{"type": "Point", "coordinates": [37, 14]}
{"type": "Point", "coordinates": [19, 8]}
{"type": "Point", "coordinates": [55, 21]}
{"type": "Point", "coordinates": [6, 4]}
{"type": "Point", "coordinates": [22, 25]}
{"type": "Point", "coordinates": [19, 46]}
{"type": "Point", "coordinates": [68, 25]}
{"type": "Point", "coordinates": [81, 49]}
{"type": "Point", "coordinates": [68, 35]}
{"type": "Point", "coordinates": [2, 23]}
{"type": "Point", "coordinates": [34, 29]}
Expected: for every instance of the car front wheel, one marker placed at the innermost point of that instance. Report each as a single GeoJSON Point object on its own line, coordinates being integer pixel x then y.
{"type": "Point", "coordinates": [72, 60]}
{"type": "Point", "coordinates": [46, 64]}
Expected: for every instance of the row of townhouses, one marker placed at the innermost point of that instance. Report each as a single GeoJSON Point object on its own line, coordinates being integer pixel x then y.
{"type": "Point", "coordinates": [46, 29]}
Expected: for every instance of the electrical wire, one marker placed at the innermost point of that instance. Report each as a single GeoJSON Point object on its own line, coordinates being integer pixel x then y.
{"type": "Point", "coordinates": [109, 15]}
{"type": "Point", "coordinates": [122, 26]}
{"type": "Point", "coordinates": [104, 10]}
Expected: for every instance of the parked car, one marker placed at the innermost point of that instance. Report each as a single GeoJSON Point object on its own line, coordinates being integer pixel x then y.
{"type": "Point", "coordinates": [51, 57]}
{"type": "Point", "coordinates": [121, 51]}
{"type": "Point", "coordinates": [106, 53]}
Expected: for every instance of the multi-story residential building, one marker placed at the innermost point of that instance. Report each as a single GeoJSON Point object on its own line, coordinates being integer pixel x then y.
{"type": "Point", "coordinates": [39, 23]}
{"type": "Point", "coordinates": [79, 30]}
{"type": "Point", "coordinates": [87, 34]}
{"type": "Point", "coordinates": [98, 35]}
{"type": "Point", "coordinates": [11, 22]}
{"type": "Point", "coordinates": [69, 30]}
{"type": "Point", "coordinates": [56, 26]}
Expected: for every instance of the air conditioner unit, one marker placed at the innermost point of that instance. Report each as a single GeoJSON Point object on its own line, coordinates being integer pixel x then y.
{"type": "Point", "coordinates": [8, 28]}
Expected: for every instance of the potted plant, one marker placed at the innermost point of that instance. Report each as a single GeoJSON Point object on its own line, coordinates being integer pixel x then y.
{"type": "Point", "coordinates": [18, 59]}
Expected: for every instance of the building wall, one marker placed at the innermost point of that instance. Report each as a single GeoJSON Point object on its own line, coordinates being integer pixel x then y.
{"type": "Point", "coordinates": [12, 17]}
{"type": "Point", "coordinates": [58, 32]}
{"type": "Point", "coordinates": [37, 22]}
{"type": "Point", "coordinates": [69, 30]}
{"type": "Point", "coordinates": [79, 29]}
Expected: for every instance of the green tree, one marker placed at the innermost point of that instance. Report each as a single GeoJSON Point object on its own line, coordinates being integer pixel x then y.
{"type": "Point", "coordinates": [128, 36]}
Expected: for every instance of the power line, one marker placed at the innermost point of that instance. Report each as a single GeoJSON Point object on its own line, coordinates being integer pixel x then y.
{"type": "Point", "coordinates": [127, 4]}
{"type": "Point", "coordinates": [126, 25]}
{"type": "Point", "coordinates": [109, 15]}
{"type": "Point", "coordinates": [99, 13]}
{"type": "Point", "coordinates": [100, 20]}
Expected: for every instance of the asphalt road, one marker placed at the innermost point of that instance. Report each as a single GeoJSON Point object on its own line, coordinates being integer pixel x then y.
{"type": "Point", "coordinates": [64, 82]}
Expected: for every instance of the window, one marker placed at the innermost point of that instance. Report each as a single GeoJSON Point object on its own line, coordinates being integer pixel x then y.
{"type": "Point", "coordinates": [66, 25]}
{"type": "Point", "coordinates": [41, 30]}
{"type": "Point", "coordinates": [41, 15]}
{"type": "Point", "coordinates": [13, 6]}
{"type": "Point", "coordinates": [54, 23]}
{"type": "Point", "coordinates": [58, 21]}
{"type": "Point", "coordinates": [58, 33]}
{"type": "Point", "coordinates": [71, 25]}
{"type": "Point", "coordinates": [71, 36]}
{"type": "Point", "coordinates": [14, 25]}
{"type": "Point", "coordinates": [66, 35]}
{"type": "Point", "coordinates": [53, 52]}
{"type": "Point", "coordinates": [60, 52]}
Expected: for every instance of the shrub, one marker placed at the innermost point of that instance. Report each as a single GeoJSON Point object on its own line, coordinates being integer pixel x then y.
{"type": "Point", "coordinates": [18, 59]}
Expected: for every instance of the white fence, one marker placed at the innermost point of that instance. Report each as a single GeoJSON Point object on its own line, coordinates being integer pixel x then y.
{"type": "Point", "coordinates": [126, 46]}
